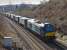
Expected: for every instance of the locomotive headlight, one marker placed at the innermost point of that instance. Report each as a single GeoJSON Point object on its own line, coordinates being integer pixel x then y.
{"type": "Point", "coordinates": [49, 34]}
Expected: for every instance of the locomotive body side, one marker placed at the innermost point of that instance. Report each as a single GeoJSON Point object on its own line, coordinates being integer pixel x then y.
{"type": "Point", "coordinates": [45, 30]}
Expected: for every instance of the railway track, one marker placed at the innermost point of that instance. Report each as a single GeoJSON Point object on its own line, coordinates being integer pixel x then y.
{"type": "Point", "coordinates": [60, 45]}
{"type": "Point", "coordinates": [56, 45]}
{"type": "Point", "coordinates": [34, 43]}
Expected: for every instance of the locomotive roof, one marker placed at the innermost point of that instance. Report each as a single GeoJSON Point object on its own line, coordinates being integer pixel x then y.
{"type": "Point", "coordinates": [42, 24]}
{"type": "Point", "coordinates": [24, 18]}
{"type": "Point", "coordinates": [39, 24]}
{"type": "Point", "coordinates": [46, 23]}
{"type": "Point", "coordinates": [33, 20]}
{"type": "Point", "coordinates": [17, 16]}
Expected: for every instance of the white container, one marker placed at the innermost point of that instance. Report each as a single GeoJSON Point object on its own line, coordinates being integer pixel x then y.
{"type": "Point", "coordinates": [12, 15]}
{"type": "Point", "coordinates": [22, 20]}
{"type": "Point", "coordinates": [17, 18]}
{"type": "Point", "coordinates": [7, 42]}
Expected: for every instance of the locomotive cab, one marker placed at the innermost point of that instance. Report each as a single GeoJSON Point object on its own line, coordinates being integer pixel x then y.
{"type": "Point", "coordinates": [49, 31]}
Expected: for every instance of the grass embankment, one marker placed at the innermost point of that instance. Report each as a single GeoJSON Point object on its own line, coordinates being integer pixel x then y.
{"type": "Point", "coordinates": [24, 11]}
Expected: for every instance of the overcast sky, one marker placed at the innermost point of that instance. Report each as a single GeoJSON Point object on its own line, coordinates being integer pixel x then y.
{"type": "Point", "coordinates": [3, 2]}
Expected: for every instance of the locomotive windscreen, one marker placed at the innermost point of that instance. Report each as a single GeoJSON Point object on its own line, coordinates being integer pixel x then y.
{"type": "Point", "coordinates": [49, 28]}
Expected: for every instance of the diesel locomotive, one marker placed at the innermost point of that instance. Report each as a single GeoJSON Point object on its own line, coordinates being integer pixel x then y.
{"type": "Point", "coordinates": [44, 30]}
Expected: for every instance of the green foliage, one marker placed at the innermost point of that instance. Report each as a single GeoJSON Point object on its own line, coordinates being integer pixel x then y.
{"type": "Point", "coordinates": [24, 10]}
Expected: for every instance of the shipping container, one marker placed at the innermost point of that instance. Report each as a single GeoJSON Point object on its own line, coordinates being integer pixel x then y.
{"type": "Point", "coordinates": [17, 18]}
{"type": "Point", "coordinates": [23, 21]}
{"type": "Point", "coordinates": [7, 42]}
{"type": "Point", "coordinates": [12, 16]}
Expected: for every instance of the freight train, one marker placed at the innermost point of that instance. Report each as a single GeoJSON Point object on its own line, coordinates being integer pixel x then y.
{"type": "Point", "coordinates": [45, 30]}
